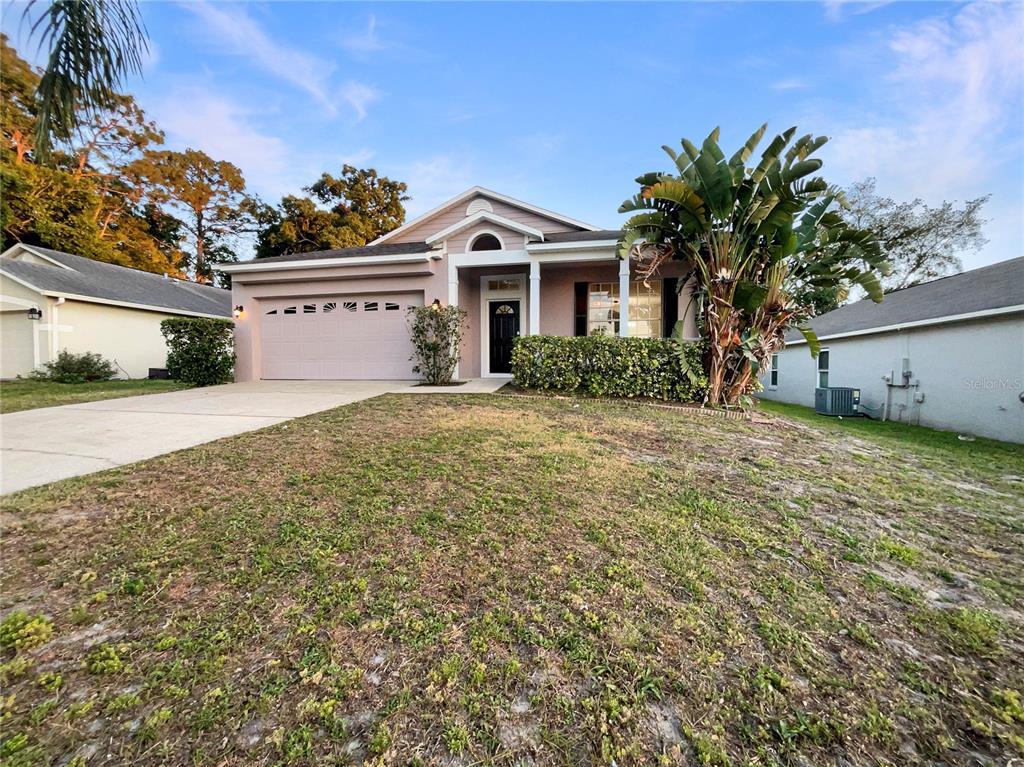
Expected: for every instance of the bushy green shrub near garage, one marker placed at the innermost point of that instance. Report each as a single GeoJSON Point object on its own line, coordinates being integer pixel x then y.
{"type": "Point", "coordinates": [603, 366]}
{"type": "Point", "coordinates": [200, 351]}
{"type": "Point", "coordinates": [71, 368]}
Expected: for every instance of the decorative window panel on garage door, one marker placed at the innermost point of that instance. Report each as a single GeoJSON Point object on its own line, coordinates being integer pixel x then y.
{"type": "Point", "coordinates": [338, 337]}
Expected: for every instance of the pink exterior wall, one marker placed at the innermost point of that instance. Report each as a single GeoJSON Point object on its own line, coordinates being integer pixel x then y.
{"type": "Point", "coordinates": [558, 295]}
{"type": "Point", "coordinates": [429, 280]}
{"type": "Point", "coordinates": [457, 212]}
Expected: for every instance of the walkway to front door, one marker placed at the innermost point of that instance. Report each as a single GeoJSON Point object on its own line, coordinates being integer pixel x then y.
{"type": "Point", "coordinates": [504, 327]}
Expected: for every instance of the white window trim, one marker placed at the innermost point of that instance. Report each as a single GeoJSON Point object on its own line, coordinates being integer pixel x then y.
{"type": "Point", "coordinates": [487, 297]}
{"type": "Point", "coordinates": [773, 367]}
{"type": "Point", "coordinates": [817, 368]}
{"type": "Point", "coordinates": [630, 317]}
{"type": "Point", "coordinates": [478, 235]}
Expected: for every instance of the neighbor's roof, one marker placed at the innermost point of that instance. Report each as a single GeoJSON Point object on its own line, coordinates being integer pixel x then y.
{"type": "Point", "coordinates": [988, 289]}
{"type": "Point", "coordinates": [77, 276]}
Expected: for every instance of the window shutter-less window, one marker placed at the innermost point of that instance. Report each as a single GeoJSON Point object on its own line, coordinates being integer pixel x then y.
{"type": "Point", "coordinates": [669, 305]}
{"type": "Point", "coordinates": [581, 309]}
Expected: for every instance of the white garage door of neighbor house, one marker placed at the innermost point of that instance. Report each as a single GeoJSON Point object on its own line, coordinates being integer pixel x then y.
{"type": "Point", "coordinates": [338, 337]}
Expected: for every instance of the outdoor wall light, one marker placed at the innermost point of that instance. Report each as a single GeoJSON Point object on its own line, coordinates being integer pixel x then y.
{"type": "Point", "coordinates": [35, 313]}
{"type": "Point", "coordinates": [238, 311]}
{"type": "Point", "coordinates": [436, 306]}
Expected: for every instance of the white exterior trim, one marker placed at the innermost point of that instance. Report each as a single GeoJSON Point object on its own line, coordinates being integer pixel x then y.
{"type": "Point", "coordinates": [19, 301]}
{"type": "Point", "coordinates": [487, 297]}
{"type": "Point", "coordinates": [19, 280]}
{"type": "Point", "coordinates": [624, 298]}
{"type": "Point", "coordinates": [582, 245]}
{"type": "Point", "coordinates": [534, 327]}
{"type": "Point", "coordinates": [917, 324]}
{"type": "Point", "coordinates": [494, 196]}
{"type": "Point", "coordinates": [490, 218]}
{"type": "Point", "coordinates": [478, 235]}
{"type": "Point", "coordinates": [317, 263]}
{"type": "Point", "coordinates": [21, 246]}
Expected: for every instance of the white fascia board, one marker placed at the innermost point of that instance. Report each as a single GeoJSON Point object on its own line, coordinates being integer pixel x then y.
{"type": "Point", "coordinates": [488, 258]}
{"type": "Point", "coordinates": [19, 280]}
{"type": "Point", "coordinates": [43, 256]}
{"type": "Point", "coordinates": [573, 257]}
{"type": "Point", "coordinates": [494, 196]}
{"type": "Point", "coordinates": [28, 248]}
{"type": "Point", "coordinates": [539, 247]}
{"type": "Point", "coordinates": [917, 324]}
{"type": "Point", "coordinates": [491, 218]}
{"type": "Point", "coordinates": [319, 263]}
{"type": "Point", "coordinates": [130, 305]}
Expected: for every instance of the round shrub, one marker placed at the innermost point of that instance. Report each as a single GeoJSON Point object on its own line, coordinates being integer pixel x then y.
{"type": "Point", "coordinates": [200, 351]}
{"type": "Point", "coordinates": [76, 368]}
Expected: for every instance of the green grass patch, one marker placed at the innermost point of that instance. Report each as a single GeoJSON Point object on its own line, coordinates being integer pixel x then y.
{"type": "Point", "coordinates": [27, 395]}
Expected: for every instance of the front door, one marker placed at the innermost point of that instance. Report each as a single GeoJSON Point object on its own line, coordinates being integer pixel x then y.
{"type": "Point", "coordinates": [504, 327]}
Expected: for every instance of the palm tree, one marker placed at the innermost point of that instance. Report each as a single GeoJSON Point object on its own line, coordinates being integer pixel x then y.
{"type": "Point", "coordinates": [754, 239]}
{"type": "Point", "coordinates": [94, 45]}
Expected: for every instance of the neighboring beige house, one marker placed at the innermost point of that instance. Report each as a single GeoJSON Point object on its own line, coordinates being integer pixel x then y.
{"type": "Point", "coordinates": [514, 267]}
{"type": "Point", "coordinates": [50, 301]}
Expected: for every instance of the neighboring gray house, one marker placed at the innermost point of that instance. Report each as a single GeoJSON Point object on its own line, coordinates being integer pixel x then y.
{"type": "Point", "coordinates": [51, 301]}
{"type": "Point", "coordinates": [948, 354]}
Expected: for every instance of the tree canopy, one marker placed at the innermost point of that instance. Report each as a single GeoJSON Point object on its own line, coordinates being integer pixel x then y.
{"type": "Point", "coordinates": [354, 208]}
{"type": "Point", "coordinates": [207, 196]}
{"type": "Point", "coordinates": [921, 242]}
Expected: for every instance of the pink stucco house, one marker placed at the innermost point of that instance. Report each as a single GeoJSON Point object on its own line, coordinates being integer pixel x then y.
{"type": "Point", "coordinates": [514, 267]}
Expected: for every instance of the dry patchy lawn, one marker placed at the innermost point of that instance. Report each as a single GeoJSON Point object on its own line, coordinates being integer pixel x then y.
{"type": "Point", "coordinates": [459, 580]}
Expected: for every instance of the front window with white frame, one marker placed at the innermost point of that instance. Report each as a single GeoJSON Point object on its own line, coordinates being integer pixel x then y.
{"type": "Point", "coordinates": [603, 310]}
{"type": "Point", "coordinates": [773, 374]}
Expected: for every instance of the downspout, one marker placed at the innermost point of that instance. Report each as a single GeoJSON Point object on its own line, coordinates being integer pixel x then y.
{"type": "Point", "coordinates": [55, 328]}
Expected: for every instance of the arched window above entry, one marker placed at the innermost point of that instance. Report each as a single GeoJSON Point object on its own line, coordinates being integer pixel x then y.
{"type": "Point", "coordinates": [485, 242]}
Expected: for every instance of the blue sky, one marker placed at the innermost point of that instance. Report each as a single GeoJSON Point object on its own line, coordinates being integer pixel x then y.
{"type": "Point", "coordinates": [564, 104]}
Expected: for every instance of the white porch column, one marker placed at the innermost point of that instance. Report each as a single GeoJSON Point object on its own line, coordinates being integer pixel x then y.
{"type": "Point", "coordinates": [534, 328]}
{"type": "Point", "coordinates": [624, 297]}
{"type": "Point", "coordinates": [453, 285]}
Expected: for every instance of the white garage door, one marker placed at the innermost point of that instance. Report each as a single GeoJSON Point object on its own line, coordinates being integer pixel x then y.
{"type": "Point", "coordinates": [338, 337]}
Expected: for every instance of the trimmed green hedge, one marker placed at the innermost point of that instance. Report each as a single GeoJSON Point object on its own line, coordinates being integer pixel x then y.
{"type": "Point", "coordinates": [604, 366]}
{"type": "Point", "coordinates": [200, 351]}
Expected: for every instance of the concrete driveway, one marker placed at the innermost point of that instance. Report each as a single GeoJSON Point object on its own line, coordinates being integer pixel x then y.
{"type": "Point", "coordinates": [48, 444]}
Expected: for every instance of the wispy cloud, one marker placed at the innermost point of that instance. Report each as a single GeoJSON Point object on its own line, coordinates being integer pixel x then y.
{"type": "Point", "coordinates": [836, 9]}
{"type": "Point", "coordinates": [200, 118]}
{"type": "Point", "coordinates": [790, 84]}
{"type": "Point", "coordinates": [433, 180]}
{"type": "Point", "coordinates": [942, 124]}
{"type": "Point", "coordinates": [239, 34]}
{"type": "Point", "coordinates": [367, 41]}
{"type": "Point", "coordinates": [359, 96]}
{"type": "Point", "coordinates": [358, 157]}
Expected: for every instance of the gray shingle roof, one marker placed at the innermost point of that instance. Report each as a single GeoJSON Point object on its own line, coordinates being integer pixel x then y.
{"type": "Point", "coordinates": [990, 287]}
{"type": "Point", "coordinates": [96, 279]}
{"type": "Point", "coordinates": [384, 249]}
